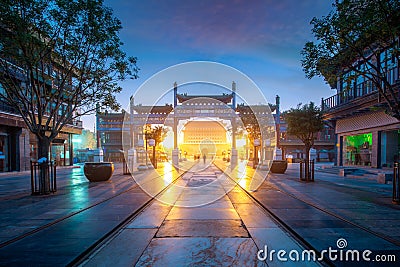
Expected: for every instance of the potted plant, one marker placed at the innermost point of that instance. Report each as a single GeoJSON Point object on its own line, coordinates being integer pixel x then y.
{"type": "Point", "coordinates": [278, 166]}
{"type": "Point", "coordinates": [98, 171]}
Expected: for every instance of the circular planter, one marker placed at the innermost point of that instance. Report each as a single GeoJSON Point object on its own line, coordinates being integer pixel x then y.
{"type": "Point", "coordinates": [98, 171]}
{"type": "Point", "coordinates": [278, 166]}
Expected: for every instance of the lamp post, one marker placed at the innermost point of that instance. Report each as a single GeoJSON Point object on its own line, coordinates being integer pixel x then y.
{"type": "Point", "coordinates": [146, 135]}
{"type": "Point", "coordinates": [152, 143]}
{"type": "Point", "coordinates": [255, 158]}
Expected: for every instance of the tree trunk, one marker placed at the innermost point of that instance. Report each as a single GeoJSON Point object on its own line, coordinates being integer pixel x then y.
{"type": "Point", "coordinates": [307, 165]}
{"type": "Point", "coordinates": [43, 152]}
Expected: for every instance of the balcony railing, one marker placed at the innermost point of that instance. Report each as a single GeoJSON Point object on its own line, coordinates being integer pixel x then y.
{"type": "Point", "coordinates": [345, 97]}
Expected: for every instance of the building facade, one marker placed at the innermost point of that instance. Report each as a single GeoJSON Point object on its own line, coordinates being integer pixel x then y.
{"type": "Point", "coordinates": [197, 133]}
{"type": "Point", "coordinates": [205, 137]}
{"type": "Point", "coordinates": [293, 148]}
{"type": "Point", "coordinates": [365, 134]}
{"type": "Point", "coordinates": [109, 135]}
{"type": "Point", "coordinates": [18, 146]}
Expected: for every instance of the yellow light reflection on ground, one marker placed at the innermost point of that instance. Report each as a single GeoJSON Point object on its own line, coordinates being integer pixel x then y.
{"type": "Point", "coordinates": [244, 180]}
{"type": "Point", "coordinates": [242, 170]}
{"type": "Point", "coordinates": [167, 171]}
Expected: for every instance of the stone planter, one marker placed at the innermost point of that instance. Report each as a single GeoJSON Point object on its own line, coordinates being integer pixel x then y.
{"type": "Point", "coordinates": [142, 167]}
{"type": "Point", "coordinates": [278, 166]}
{"type": "Point", "coordinates": [98, 171]}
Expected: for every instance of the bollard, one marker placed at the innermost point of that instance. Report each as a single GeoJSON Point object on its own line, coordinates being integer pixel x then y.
{"type": "Point", "coordinates": [125, 168]}
{"type": "Point", "coordinates": [396, 185]}
{"type": "Point", "coordinates": [312, 162]}
{"type": "Point", "coordinates": [301, 171]}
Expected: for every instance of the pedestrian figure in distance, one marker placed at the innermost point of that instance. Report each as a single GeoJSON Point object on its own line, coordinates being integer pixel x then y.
{"type": "Point", "coordinates": [204, 158]}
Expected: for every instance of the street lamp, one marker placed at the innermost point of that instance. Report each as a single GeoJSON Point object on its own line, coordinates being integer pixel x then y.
{"type": "Point", "coordinates": [152, 143]}
{"type": "Point", "coordinates": [146, 136]}
{"type": "Point", "coordinates": [257, 143]}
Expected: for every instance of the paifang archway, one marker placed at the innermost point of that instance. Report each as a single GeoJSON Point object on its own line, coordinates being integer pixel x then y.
{"type": "Point", "coordinates": [210, 110]}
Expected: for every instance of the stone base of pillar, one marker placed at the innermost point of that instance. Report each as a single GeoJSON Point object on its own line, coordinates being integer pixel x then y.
{"type": "Point", "coordinates": [132, 156]}
{"type": "Point", "coordinates": [98, 155]}
{"type": "Point", "coordinates": [277, 154]}
{"type": "Point", "coordinates": [234, 157]}
{"type": "Point", "coordinates": [132, 159]}
{"type": "Point", "coordinates": [175, 157]}
{"type": "Point", "coordinates": [265, 165]}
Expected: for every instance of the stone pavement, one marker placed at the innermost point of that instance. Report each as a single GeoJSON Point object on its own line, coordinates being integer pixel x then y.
{"type": "Point", "coordinates": [332, 208]}
{"type": "Point", "coordinates": [54, 230]}
{"type": "Point", "coordinates": [205, 220]}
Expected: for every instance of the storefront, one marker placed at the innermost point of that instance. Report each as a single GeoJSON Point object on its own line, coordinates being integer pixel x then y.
{"type": "Point", "coordinates": [390, 148]}
{"type": "Point", "coordinates": [4, 155]}
{"type": "Point", "coordinates": [368, 140]}
{"type": "Point", "coordinates": [358, 149]}
{"type": "Point", "coordinates": [60, 149]}
{"type": "Point", "coordinates": [59, 152]}
{"type": "Point", "coordinates": [14, 150]}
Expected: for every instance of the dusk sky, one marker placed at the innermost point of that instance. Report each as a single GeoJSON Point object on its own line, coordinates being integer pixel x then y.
{"type": "Point", "coordinates": [261, 38]}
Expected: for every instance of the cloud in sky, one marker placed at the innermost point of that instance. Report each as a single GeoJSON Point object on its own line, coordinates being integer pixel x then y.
{"type": "Point", "coordinates": [224, 24]}
{"type": "Point", "coordinates": [262, 38]}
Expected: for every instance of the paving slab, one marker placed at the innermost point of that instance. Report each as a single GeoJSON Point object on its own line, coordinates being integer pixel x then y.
{"type": "Point", "coordinates": [215, 234]}
{"type": "Point", "coordinates": [202, 228]}
{"type": "Point", "coordinates": [117, 253]}
{"type": "Point", "coordinates": [58, 228]}
{"type": "Point", "coordinates": [200, 252]}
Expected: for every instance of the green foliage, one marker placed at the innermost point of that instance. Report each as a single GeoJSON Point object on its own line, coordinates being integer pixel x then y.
{"type": "Point", "coordinates": [304, 122]}
{"type": "Point", "coordinates": [88, 139]}
{"type": "Point", "coordinates": [157, 133]}
{"type": "Point", "coordinates": [67, 57]}
{"type": "Point", "coordinates": [352, 38]}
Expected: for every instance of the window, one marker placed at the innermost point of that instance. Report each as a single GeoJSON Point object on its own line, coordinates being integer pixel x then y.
{"type": "Point", "coordinates": [358, 149]}
{"type": "Point", "coordinates": [389, 65]}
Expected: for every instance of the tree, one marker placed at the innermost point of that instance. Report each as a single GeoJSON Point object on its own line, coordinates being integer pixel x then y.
{"type": "Point", "coordinates": [58, 58]}
{"type": "Point", "coordinates": [88, 139]}
{"type": "Point", "coordinates": [158, 134]}
{"type": "Point", "coordinates": [358, 40]}
{"type": "Point", "coordinates": [256, 124]}
{"type": "Point", "coordinates": [304, 122]}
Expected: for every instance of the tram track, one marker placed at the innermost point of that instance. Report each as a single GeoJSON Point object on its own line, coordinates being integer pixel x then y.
{"type": "Point", "coordinates": [298, 237]}
{"type": "Point", "coordinates": [85, 254]}
{"type": "Point", "coordinates": [267, 209]}
{"type": "Point", "coordinates": [196, 179]}
{"type": "Point", "coordinates": [301, 241]}
{"type": "Point", "coordinates": [68, 216]}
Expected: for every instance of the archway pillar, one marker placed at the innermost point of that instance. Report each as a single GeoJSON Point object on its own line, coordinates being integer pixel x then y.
{"type": "Point", "coordinates": [234, 157]}
{"type": "Point", "coordinates": [175, 157]}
